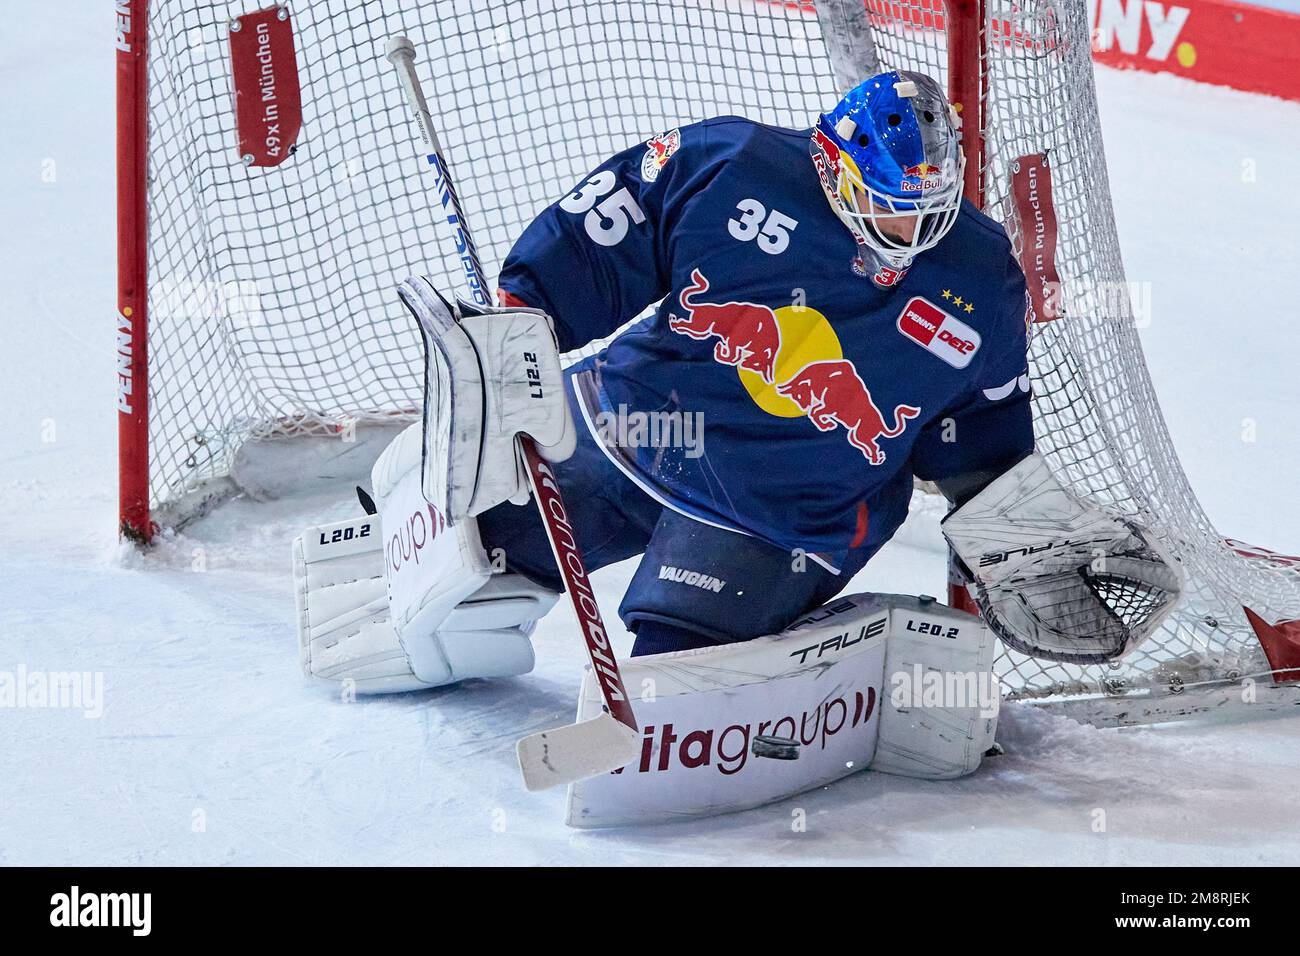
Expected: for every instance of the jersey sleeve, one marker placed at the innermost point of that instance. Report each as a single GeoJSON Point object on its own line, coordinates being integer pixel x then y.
{"type": "Point", "coordinates": [600, 255]}
{"type": "Point", "coordinates": [991, 427]}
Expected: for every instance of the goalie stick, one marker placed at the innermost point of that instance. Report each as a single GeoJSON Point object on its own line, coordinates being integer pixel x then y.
{"type": "Point", "coordinates": [613, 739]}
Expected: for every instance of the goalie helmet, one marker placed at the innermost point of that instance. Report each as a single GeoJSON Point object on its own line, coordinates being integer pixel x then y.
{"type": "Point", "coordinates": [890, 148]}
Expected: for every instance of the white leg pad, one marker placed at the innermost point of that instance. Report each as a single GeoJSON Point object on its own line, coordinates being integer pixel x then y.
{"type": "Point", "coordinates": [828, 682]}
{"type": "Point", "coordinates": [345, 634]}
{"type": "Point", "coordinates": [942, 700]}
{"type": "Point", "coordinates": [487, 634]}
{"type": "Point", "coordinates": [431, 564]}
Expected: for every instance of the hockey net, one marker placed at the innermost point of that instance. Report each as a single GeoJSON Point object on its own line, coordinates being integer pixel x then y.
{"type": "Point", "coordinates": [263, 296]}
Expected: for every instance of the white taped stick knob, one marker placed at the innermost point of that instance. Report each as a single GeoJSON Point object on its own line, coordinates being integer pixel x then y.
{"type": "Point", "coordinates": [399, 48]}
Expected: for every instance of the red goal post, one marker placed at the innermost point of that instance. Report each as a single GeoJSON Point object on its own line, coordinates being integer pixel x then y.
{"type": "Point", "coordinates": [132, 269]}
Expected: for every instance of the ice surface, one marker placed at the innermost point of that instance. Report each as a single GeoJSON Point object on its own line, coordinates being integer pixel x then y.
{"type": "Point", "coordinates": [212, 748]}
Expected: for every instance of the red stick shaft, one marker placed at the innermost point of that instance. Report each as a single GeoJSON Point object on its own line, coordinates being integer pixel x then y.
{"type": "Point", "coordinates": [564, 545]}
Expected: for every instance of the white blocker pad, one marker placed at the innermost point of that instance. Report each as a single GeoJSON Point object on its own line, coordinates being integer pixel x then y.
{"type": "Point", "coordinates": [490, 375]}
{"type": "Point", "coordinates": [847, 682]}
{"type": "Point", "coordinates": [1055, 576]}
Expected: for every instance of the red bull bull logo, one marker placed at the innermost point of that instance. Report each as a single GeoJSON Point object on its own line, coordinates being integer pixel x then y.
{"type": "Point", "coordinates": [748, 334]}
{"type": "Point", "coordinates": [929, 174]}
{"type": "Point", "coordinates": [832, 393]}
{"type": "Point", "coordinates": [790, 362]}
{"type": "Point", "coordinates": [826, 159]}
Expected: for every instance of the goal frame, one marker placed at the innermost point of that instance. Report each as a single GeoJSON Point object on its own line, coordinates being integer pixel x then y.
{"type": "Point", "coordinates": [851, 58]}
{"type": "Point", "coordinates": [848, 30]}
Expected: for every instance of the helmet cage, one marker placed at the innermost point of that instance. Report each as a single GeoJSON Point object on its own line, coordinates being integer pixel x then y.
{"type": "Point", "coordinates": [936, 212]}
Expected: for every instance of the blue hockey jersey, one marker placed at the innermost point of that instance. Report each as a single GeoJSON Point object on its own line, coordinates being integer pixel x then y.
{"type": "Point", "coordinates": [776, 390]}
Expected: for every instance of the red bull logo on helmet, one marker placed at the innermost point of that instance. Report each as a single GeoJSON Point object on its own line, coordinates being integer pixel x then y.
{"type": "Point", "coordinates": [826, 159]}
{"type": "Point", "coordinates": [920, 177]}
{"type": "Point", "coordinates": [810, 378]}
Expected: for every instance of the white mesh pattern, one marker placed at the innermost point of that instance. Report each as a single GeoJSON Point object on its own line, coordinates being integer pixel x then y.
{"type": "Point", "coordinates": [272, 303]}
{"type": "Point", "coordinates": [1097, 418]}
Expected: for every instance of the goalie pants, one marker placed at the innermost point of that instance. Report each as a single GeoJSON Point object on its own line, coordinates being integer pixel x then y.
{"type": "Point", "coordinates": [696, 585]}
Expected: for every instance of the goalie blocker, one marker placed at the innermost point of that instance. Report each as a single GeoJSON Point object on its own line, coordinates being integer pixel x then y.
{"type": "Point", "coordinates": [491, 374]}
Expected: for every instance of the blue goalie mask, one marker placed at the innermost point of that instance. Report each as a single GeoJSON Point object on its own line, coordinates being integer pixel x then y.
{"type": "Point", "coordinates": [890, 148]}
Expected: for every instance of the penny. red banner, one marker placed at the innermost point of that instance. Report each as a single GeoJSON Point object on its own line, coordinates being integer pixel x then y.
{"type": "Point", "coordinates": [1215, 41]}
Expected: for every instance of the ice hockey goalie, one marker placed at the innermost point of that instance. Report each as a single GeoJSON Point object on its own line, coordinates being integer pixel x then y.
{"type": "Point", "coordinates": [833, 320]}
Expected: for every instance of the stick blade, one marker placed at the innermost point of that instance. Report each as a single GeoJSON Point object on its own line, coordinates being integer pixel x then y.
{"type": "Point", "coordinates": [576, 751]}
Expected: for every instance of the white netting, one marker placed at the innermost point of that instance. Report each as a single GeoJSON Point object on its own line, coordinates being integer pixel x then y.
{"type": "Point", "coordinates": [272, 310]}
{"type": "Point", "coordinates": [1097, 419]}
{"type": "Point", "coordinates": [271, 298]}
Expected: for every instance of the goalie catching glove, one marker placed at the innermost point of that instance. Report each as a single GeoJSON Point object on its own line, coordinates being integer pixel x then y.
{"type": "Point", "coordinates": [1056, 577]}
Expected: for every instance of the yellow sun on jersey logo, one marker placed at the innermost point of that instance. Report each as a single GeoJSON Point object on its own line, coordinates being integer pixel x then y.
{"type": "Point", "coordinates": [806, 337]}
